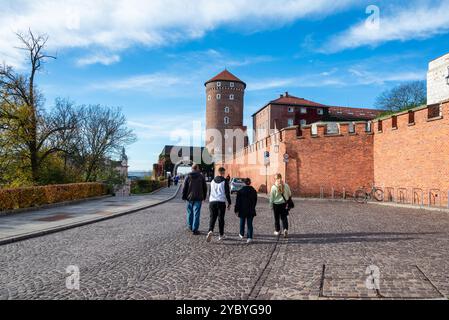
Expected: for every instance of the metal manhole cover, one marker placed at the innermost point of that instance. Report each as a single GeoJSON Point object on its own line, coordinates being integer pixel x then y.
{"type": "Point", "coordinates": [394, 282]}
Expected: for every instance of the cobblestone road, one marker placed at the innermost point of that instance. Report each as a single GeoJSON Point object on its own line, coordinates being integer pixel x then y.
{"type": "Point", "coordinates": [150, 255]}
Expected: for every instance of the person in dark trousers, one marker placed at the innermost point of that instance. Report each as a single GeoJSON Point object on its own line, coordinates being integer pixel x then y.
{"type": "Point", "coordinates": [194, 192]}
{"type": "Point", "coordinates": [176, 181]}
{"type": "Point", "coordinates": [245, 208]}
{"type": "Point", "coordinates": [169, 182]}
{"type": "Point", "coordinates": [219, 195]}
{"type": "Point", "coordinates": [280, 193]}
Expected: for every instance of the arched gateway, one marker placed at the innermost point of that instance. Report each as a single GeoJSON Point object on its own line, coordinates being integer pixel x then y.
{"type": "Point", "coordinates": [174, 157]}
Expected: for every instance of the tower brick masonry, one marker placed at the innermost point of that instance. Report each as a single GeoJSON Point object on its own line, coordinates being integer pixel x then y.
{"type": "Point", "coordinates": [224, 111]}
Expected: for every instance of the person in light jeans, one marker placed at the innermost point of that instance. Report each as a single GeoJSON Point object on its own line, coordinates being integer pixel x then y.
{"type": "Point", "coordinates": [194, 192]}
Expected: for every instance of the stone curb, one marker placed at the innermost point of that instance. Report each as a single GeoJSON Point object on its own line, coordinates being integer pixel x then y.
{"type": "Point", "coordinates": [40, 233]}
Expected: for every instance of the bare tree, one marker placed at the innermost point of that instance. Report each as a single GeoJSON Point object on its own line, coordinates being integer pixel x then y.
{"type": "Point", "coordinates": [403, 97]}
{"type": "Point", "coordinates": [20, 102]}
{"type": "Point", "coordinates": [101, 134]}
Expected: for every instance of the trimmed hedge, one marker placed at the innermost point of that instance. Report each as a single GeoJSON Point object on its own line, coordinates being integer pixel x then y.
{"type": "Point", "coordinates": [18, 198]}
{"type": "Point", "coordinates": [145, 186]}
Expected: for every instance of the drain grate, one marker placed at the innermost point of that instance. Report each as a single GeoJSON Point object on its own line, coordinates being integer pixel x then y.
{"type": "Point", "coordinates": [395, 282]}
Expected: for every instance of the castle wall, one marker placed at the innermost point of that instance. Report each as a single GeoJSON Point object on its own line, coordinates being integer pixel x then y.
{"type": "Point", "coordinates": [317, 162]}
{"type": "Point", "coordinates": [413, 160]}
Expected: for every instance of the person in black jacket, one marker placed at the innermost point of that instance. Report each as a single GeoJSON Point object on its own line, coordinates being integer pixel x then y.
{"type": "Point", "coordinates": [194, 192]}
{"type": "Point", "coordinates": [245, 208]}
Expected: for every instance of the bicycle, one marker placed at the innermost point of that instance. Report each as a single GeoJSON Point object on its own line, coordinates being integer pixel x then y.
{"type": "Point", "coordinates": [362, 196]}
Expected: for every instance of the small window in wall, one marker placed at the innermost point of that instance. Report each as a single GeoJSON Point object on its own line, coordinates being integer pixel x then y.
{"type": "Point", "coordinates": [226, 120]}
{"type": "Point", "coordinates": [394, 122]}
{"type": "Point", "coordinates": [434, 111]}
{"type": "Point", "coordinates": [226, 109]}
{"type": "Point", "coordinates": [291, 109]}
{"type": "Point", "coordinates": [231, 97]}
{"type": "Point", "coordinates": [209, 98]}
{"type": "Point", "coordinates": [379, 126]}
{"type": "Point", "coordinates": [218, 84]}
{"type": "Point", "coordinates": [218, 96]}
{"type": "Point", "coordinates": [368, 126]}
{"type": "Point", "coordinates": [332, 128]}
{"type": "Point", "coordinates": [303, 110]}
{"type": "Point", "coordinates": [320, 112]}
{"type": "Point", "coordinates": [303, 122]}
{"type": "Point", "coordinates": [232, 85]}
{"type": "Point", "coordinates": [291, 122]}
{"type": "Point", "coordinates": [351, 127]}
{"type": "Point", "coordinates": [411, 117]}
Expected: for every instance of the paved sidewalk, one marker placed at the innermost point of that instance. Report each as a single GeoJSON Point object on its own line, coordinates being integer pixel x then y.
{"type": "Point", "coordinates": [34, 223]}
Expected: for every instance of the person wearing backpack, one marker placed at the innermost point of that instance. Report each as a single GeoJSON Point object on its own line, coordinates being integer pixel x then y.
{"type": "Point", "coordinates": [245, 209]}
{"type": "Point", "coordinates": [280, 203]}
{"type": "Point", "coordinates": [219, 195]}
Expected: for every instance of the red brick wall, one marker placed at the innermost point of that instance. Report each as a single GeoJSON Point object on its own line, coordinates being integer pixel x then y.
{"type": "Point", "coordinates": [343, 162]}
{"type": "Point", "coordinates": [414, 156]}
{"type": "Point", "coordinates": [340, 162]}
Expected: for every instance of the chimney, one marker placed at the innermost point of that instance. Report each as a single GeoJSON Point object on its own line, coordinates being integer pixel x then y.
{"type": "Point", "coordinates": [282, 95]}
{"type": "Point", "coordinates": [286, 94]}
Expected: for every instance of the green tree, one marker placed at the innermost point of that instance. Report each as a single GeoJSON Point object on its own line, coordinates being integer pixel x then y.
{"type": "Point", "coordinates": [403, 97]}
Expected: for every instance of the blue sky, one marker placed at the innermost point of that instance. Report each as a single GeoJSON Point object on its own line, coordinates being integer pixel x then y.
{"type": "Point", "coordinates": [151, 58]}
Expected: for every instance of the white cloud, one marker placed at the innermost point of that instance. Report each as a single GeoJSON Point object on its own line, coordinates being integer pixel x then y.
{"type": "Point", "coordinates": [117, 25]}
{"type": "Point", "coordinates": [98, 59]}
{"type": "Point", "coordinates": [352, 76]}
{"type": "Point", "coordinates": [146, 82]}
{"type": "Point", "coordinates": [419, 21]}
{"type": "Point", "coordinates": [182, 129]}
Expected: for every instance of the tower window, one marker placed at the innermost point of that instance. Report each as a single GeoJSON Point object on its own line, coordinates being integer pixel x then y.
{"type": "Point", "coordinates": [232, 84]}
{"type": "Point", "coordinates": [209, 98]}
{"type": "Point", "coordinates": [291, 122]}
{"type": "Point", "coordinates": [231, 97]}
{"type": "Point", "coordinates": [303, 122]}
{"type": "Point", "coordinates": [226, 109]}
{"type": "Point", "coordinates": [320, 112]}
{"type": "Point", "coordinates": [218, 96]}
{"type": "Point", "coordinates": [291, 109]}
{"type": "Point", "coordinates": [304, 110]}
{"type": "Point", "coordinates": [218, 84]}
{"type": "Point", "coordinates": [226, 120]}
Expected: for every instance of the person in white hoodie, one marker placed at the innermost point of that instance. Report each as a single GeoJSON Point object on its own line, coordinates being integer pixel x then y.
{"type": "Point", "coordinates": [219, 194]}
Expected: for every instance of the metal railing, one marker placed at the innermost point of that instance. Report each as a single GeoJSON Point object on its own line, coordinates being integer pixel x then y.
{"type": "Point", "coordinates": [433, 198]}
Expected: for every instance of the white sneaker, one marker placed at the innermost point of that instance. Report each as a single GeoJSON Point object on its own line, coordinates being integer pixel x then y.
{"type": "Point", "coordinates": [249, 241]}
{"type": "Point", "coordinates": [221, 238]}
{"type": "Point", "coordinates": [286, 233]}
{"type": "Point", "coordinates": [209, 236]}
{"type": "Point", "coordinates": [276, 233]}
{"type": "Point", "coordinates": [241, 237]}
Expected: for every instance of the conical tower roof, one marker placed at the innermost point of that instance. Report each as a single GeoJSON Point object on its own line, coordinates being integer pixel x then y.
{"type": "Point", "coordinates": [225, 76]}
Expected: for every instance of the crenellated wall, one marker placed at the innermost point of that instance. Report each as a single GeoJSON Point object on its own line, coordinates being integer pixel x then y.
{"type": "Point", "coordinates": [408, 158]}
{"type": "Point", "coordinates": [411, 155]}
{"type": "Point", "coordinates": [316, 163]}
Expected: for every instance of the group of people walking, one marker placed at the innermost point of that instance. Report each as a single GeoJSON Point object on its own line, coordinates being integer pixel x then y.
{"type": "Point", "coordinates": [195, 192]}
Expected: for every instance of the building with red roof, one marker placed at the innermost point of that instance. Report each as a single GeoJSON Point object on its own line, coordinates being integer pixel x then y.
{"type": "Point", "coordinates": [288, 111]}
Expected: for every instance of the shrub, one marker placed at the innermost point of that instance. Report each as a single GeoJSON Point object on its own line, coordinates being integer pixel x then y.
{"type": "Point", "coordinates": [145, 186]}
{"type": "Point", "coordinates": [11, 199]}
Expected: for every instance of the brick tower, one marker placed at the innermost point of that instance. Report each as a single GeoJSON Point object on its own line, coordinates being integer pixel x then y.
{"type": "Point", "coordinates": [224, 112]}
